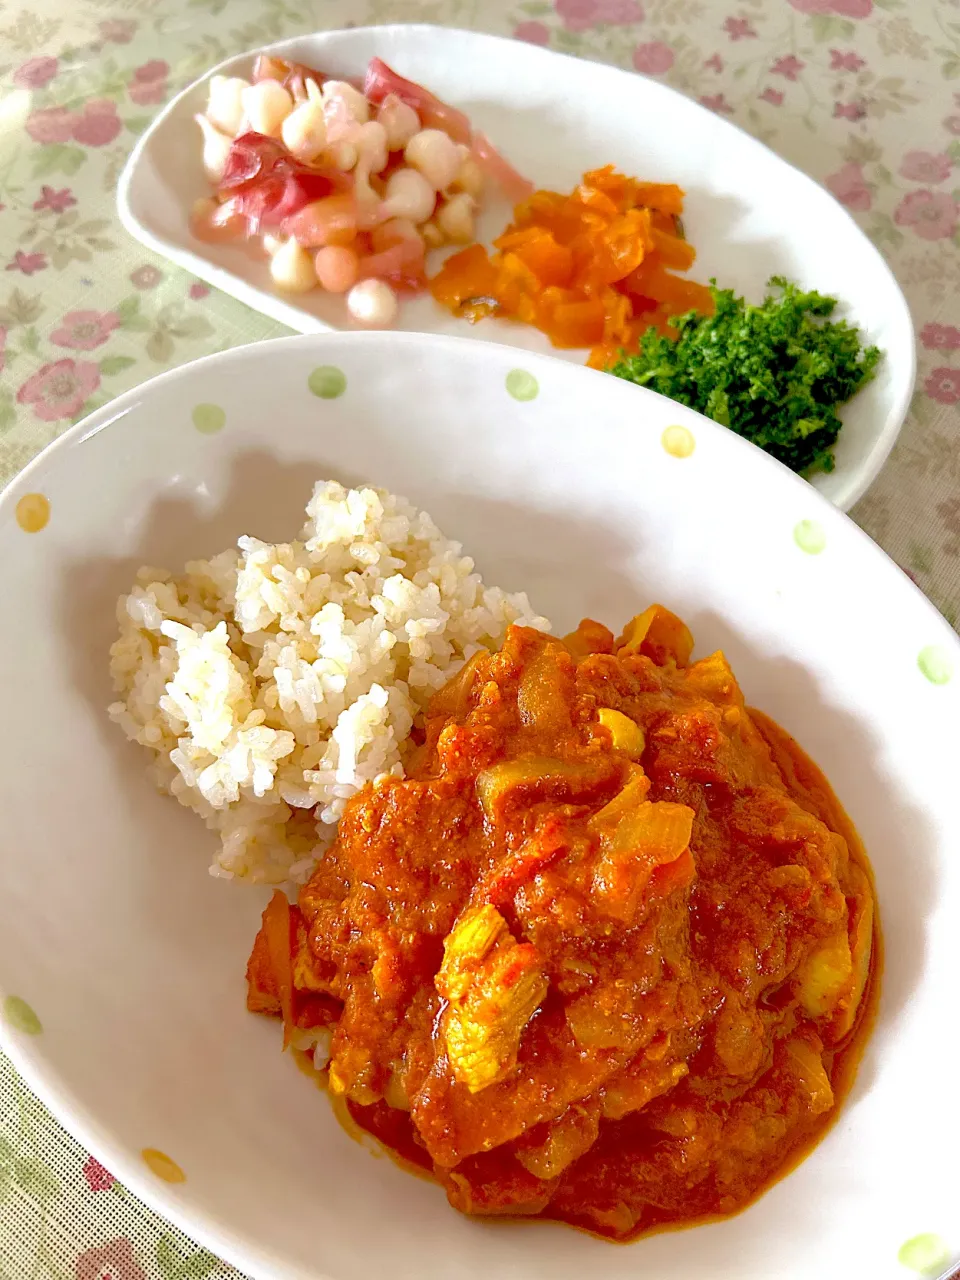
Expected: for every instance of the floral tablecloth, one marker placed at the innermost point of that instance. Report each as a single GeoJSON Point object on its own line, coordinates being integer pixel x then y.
{"type": "Point", "coordinates": [863, 94]}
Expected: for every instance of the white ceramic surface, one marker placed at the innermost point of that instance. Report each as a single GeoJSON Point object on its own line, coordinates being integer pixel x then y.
{"type": "Point", "coordinates": [749, 213]}
{"type": "Point", "coordinates": [132, 957]}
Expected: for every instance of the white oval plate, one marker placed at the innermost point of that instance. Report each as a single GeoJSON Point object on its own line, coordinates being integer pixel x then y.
{"type": "Point", "coordinates": [132, 957]}
{"type": "Point", "coordinates": [749, 213]}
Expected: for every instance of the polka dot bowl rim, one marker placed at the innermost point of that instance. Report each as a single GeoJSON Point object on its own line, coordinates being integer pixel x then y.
{"type": "Point", "coordinates": [748, 211]}
{"type": "Point", "coordinates": [594, 496]}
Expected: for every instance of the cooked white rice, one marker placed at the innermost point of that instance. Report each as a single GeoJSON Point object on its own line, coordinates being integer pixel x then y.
{"type": "Point", "coordinates": [273, 682]}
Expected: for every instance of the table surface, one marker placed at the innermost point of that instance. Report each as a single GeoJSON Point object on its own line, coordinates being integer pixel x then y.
{"type": "Point", "coordinates": [862, 94]}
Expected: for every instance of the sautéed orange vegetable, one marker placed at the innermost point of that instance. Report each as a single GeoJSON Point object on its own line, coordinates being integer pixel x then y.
{"type": "Point", "coordinates": [605, 955]}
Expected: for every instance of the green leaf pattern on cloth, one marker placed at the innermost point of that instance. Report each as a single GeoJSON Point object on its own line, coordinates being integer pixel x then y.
{"type": "Point", "coordinates": [64, 1217]}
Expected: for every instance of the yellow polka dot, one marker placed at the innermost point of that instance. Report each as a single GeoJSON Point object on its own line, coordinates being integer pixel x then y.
{"type": "Point", "coordinates": [33, 512]}
{"type": "Point", "coordinates": [162, 1166]}
{"type": "Point", "coordinates": [678, 442]}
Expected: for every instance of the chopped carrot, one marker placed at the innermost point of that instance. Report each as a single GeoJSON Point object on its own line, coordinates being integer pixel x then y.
{"type": "Point", "coordinates": [674, 252]}
{"type": "Point", "coordinates": [614, 250]}
{"type": "Point", "coordinates": [617, 310]}
{"type": "Point", "coordinates": [662, 196]}
{"type": "Point", "coordinates": [575, 324]}
{"type": "Point", "coordinates": [468, 274]}
{"type": "Point", "coordinates": [604, 354]}
{"type": "Point", "coordinates": [538, 250]}
{"type": "Point", "coordinates": [616, 186]}
{"type": "Point", "coordinates": [666, 222]}
{"type": "Point", "coordinates": [592, 268]}
{"type": "Point", "coordinates": [674, 294]}
{"type": "Point", "coordinates": [596, 199]}
{"type": "Point", "coordinates": [515, 283]}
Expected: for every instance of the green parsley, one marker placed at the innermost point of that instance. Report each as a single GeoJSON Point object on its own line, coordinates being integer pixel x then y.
{"type": "Point", "coordinates": [775, 374]}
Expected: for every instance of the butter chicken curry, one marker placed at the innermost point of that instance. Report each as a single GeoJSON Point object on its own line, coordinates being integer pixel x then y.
{"type": "Point", "coordinates": [603, 954]}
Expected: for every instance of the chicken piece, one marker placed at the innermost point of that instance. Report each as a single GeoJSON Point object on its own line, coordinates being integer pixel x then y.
{"type": "Point", "coordinates": [659, 635]}
{"type": "Point", "coordinates": [544, 692]}
{"type": "Point", "coordinates": [307, 972]}
{"type": "Point", "coordinates": [638, 1085]}
{"type": "Point", "coordinates": [589, 637]}
{"type": "Point", "coordinates": [826, 976]}
{"type": "Point", "coordinates": [543, 777]}
{"type": "Point", "coordinates": [492, 984]}
{"type": "Point", "coordinates": [804, 1061]}
{"type": "Point", "coordinates": [739, 1037]}
{"type": "Point", "coordinates": [712, 678]}
{"type": "Point", "coordinates": [565, 1140]}
{"type": "Point", "coordinates": [861, 949]}
{"type": "Point", "coordinates": [833, 979]}
{"type": "Point", "coordinates": [494, 1183]}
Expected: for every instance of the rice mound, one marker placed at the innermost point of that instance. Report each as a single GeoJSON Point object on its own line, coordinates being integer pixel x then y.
{"type": "Point", "coordinates": [272, 682]}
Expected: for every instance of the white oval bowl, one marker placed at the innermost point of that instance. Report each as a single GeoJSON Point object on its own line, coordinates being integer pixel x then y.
{"type": "Point", "coordinates": [750, 214]}
{"type": "Point", "coordinates": [133, 957]}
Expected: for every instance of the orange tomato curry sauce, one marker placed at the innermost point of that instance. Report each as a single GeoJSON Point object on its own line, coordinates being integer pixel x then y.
{"type": "Point", "coordinates": [603, 955]}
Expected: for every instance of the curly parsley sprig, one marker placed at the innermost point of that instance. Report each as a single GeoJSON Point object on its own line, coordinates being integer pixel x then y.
{"type": "Point", "coordinates": [775, 373]}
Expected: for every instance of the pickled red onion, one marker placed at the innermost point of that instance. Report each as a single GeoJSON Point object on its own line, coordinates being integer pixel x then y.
{"type": "Point", "coordinates": [382, 80]}
{"type": "Point", "coordinates": [513, 184]}
{"type": "Point", "coordinates": [402, 266]}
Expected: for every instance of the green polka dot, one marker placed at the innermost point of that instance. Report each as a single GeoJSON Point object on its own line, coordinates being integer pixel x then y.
{"type": "Point", "coordinates": [935, 663]}
{"type": "Point", "coordinates": [522, 385]}
{"type": "Point", "coordinates": [327, 382]}
{"type": "Point", "coordinates": [21, 1017]}
{"type": "Point", "coordinates": [678, 441]}
{"type": "Point", "coordinates": [810, 536]}
{"type": "Point", "coordinates": [209, 418]}
{"type": "Point", "coordinates": [928, 1254]}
